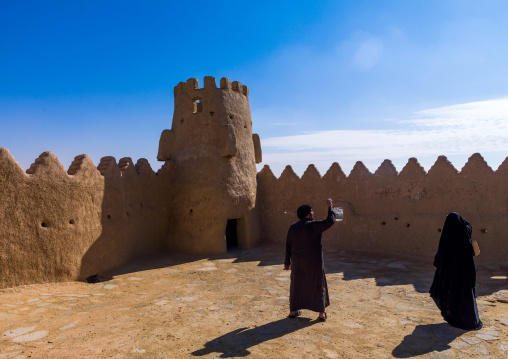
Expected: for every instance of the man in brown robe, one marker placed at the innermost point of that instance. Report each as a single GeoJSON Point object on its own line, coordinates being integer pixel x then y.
{"type": "Point", "coordinates": [304, 257]}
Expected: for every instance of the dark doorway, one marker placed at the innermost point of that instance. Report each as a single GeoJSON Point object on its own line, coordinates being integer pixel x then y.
{"type": "Point", "coordinates": [231, 237]}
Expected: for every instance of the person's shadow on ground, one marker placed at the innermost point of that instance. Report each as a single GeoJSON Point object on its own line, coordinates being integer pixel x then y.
{"type": "Point", "coordinates": [236, 343]}
{"type": "Point", "coordinates": [427, 338]}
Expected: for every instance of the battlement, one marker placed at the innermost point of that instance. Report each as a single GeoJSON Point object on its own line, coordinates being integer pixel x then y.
{"type": "Point", "coordinates": [475, 167]}
{"type": "Point", "coordinates": [191, 88]}
{"type": "Point", "coordinates": [48, 165]}
{"type": "Point", "coordinates": [210, 122]}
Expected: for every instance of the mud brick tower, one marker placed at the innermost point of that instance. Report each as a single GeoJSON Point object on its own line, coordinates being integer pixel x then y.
{"type": "Point", "coordinates": [211, 155]}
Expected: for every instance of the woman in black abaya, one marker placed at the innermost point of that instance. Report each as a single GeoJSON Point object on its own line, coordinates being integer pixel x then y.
{"type": "Point", "coordinates": [453, 288]}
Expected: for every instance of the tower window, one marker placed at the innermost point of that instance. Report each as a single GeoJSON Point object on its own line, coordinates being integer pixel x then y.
{"type": "Point", "coordinates": [197, 106]}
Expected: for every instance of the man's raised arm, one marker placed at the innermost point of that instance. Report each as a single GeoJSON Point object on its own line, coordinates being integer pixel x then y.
{"type": "Point", "coordinates": [323, 225]}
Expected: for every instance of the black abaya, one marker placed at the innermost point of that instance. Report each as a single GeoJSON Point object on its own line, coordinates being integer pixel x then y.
{"type": "Point", "coordinates": [304, 253]}
{"type": "Point", "coordinates": [453, 288]}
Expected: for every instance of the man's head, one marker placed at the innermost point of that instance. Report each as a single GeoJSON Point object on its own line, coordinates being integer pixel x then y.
{"type": "Point", "coordinates": [305, 211]}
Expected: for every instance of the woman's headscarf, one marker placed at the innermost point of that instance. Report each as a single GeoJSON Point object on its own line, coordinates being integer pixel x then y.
{"type": "Point", "coordinates": [455, 243]}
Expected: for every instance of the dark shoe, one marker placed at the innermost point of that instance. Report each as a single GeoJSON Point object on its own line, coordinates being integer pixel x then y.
{"type": "Point", "coordinates": [297, 314]}
{"type": "Point", "coordinates": [324, 318]}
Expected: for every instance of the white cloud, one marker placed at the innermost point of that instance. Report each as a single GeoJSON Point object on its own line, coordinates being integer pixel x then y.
{"type": "Point", "coordinates": [368, 54]}
{"type": "Point", "coordinates": [458, 130]}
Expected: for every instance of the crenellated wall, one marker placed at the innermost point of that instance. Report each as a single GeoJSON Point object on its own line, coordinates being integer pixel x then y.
{"type": "Point", "coordinates": [58, 225]}
{"type": "Point", "coordinates": [389, 211]}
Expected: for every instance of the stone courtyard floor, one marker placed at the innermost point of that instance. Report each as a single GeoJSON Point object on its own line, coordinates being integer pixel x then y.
{"type": "Point", "coordinates": [236, 305]}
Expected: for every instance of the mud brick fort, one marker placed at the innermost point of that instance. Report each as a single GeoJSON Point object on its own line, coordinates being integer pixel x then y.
{"type": "Point", "coordinates": [60, 225]}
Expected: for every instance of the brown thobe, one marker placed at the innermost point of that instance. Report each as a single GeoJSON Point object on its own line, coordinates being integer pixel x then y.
{"type": "Point", "coordinates": [305, 255]}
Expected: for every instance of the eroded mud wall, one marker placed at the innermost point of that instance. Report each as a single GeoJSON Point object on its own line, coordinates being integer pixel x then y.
{"type": "Point", "coordinates": [389, 211]}
{"type": "Point", "coordinates": [58, 225]}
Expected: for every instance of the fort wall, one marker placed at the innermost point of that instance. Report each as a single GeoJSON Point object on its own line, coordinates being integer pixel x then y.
{"type": "Point", "coordinates": [59, 225]}
{"type": "Point", "coordinates": [389, 211]}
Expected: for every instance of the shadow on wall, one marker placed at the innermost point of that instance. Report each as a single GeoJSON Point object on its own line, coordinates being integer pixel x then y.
{"type": "Point", "coordinates": [134, 217]}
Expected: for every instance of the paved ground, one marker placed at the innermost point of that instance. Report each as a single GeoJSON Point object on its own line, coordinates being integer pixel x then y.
{"type": "Point", "coordinates": [174, 306]}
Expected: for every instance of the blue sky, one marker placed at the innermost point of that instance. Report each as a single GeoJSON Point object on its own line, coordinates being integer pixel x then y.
{"type": "Point", "coordinates": [330, 81]}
